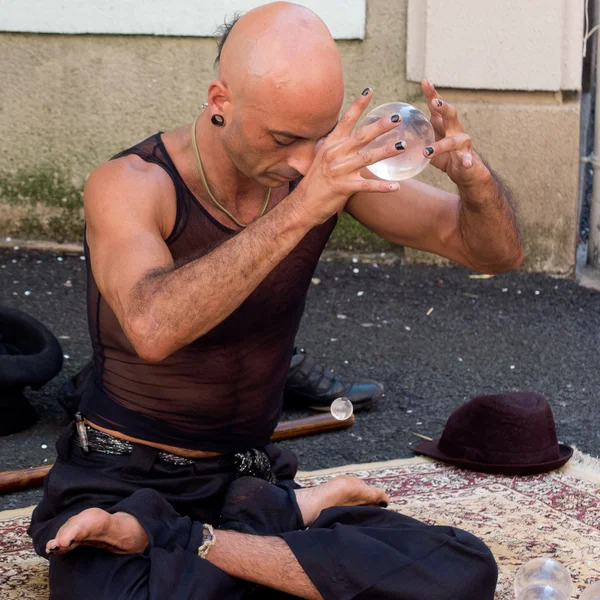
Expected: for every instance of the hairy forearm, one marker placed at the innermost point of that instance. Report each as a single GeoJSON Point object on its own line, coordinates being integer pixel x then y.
{"type": "Point", "coordinates": [488, 226]}
{"type": "Point", "coordinates": [172, 307]}
{"type": "Point", "coordinates": [263, 560]}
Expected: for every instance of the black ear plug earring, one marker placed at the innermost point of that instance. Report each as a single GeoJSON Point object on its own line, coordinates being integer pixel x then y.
{"type": "Point", "coordinates": [217, 120]}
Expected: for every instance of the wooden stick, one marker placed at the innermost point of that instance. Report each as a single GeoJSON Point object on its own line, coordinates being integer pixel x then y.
{"type": "Point", "coordinates": [294, 428]}
{"type": "Point", "coordinates": [12, 481]}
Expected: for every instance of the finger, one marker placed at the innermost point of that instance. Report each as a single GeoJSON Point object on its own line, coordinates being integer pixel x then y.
{"type": "Point", "coordinates": [364, 158]}
{"type": "Point", "coordinates": [349, 119]}
{"type": "Point", "coordinates": [449, 115]}
{"type": "Point", "coordinates": [429, 90]}
{"type": "Point", "coordinates": [466, 159]}
{"type": "Point", "coordinates": [371, 185]}
{"type": "Point", "coordinates": [438, 126]}
{"type": "Point", "coordinates": [431, 94]}
{"type": "Point", "coordinates": [460, 142]}
{"type": "Point", "coordinates": [368, 133]}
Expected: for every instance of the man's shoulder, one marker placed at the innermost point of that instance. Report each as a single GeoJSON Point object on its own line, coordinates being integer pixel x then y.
{"type": "Point", "coordinates": [129, 180]}
{"type": "Point", "coordinates": [136, 184]}
{"type": "Point", "coordinates": [125, 172]}
{"type": "Point", "coordinates": [126, 169]}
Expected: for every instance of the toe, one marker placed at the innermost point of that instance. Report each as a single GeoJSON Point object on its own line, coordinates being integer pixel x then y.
{"type": "Point", "coordinates": [382, 499]}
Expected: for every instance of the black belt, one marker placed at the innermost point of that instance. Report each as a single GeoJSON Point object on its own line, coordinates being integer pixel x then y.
{"type": "Point", "coordinates": [249, 463]}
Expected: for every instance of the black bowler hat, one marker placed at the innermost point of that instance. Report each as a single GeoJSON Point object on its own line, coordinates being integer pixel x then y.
{"type": "Point", "coordinates": [510, 434]}
{"type": "Point", "coordinates": [30, 355]}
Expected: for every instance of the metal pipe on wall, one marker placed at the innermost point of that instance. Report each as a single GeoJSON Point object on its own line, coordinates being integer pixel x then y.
{"type": "Point", "coordinates": [593, 257]}
{"type": "Point", "coordinates": [587, 97]}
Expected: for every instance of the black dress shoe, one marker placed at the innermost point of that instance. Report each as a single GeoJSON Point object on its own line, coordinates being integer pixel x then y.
{"type": "Point", "coordinates": [309, 384]}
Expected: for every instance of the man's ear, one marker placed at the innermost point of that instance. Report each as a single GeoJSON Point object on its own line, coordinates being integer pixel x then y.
{"type": "Point", "coordinates": [219, 99]}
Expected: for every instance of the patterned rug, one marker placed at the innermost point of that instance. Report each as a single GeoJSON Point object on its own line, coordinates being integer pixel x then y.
{"type": "Point", "coordinates": [556, 515]}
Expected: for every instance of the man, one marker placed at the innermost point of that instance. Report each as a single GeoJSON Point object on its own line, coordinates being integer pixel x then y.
{"type": "Point", "coordinates": [202, 243]}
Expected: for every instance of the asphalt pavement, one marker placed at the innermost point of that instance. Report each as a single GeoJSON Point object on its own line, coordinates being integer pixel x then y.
{"type": "Point", "coordinates": [436, 337]}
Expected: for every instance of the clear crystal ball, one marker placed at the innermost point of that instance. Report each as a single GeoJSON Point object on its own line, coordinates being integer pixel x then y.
{"type": "Point", "coordinates": [415, 130]}
{"type": "Point", "coordinates": [592, 592]}
{"type": "Point", "coordinates": [544, 572]}
{"type": "Point", "coordinates": [541, 592]}
{"type": "Point", "coordinates": [341, 409]}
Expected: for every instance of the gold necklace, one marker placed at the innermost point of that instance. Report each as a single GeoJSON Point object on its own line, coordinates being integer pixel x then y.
{"type": "Point", "coordinates": [205, 184]}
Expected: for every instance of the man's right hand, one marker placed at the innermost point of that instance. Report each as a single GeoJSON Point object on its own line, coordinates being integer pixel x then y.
{"type": "Point", "coordinates": [334, 175]}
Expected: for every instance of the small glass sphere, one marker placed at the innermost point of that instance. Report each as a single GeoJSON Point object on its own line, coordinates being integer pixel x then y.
{"type": "Point", "coordinates": [591, 592]}
{"type": "Point", "coordinates": [545, 572]}
{"type": "Point", "coordinates": [341, 409]}
{"type": "Point", "coordinates": [415, 130]}
{"type": "Point", "coordinates": [541, 592]}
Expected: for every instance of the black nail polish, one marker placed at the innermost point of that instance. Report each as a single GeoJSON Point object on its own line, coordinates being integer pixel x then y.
{"type": "Point", "coordinates": [365, 92]}
{"type": "Point", "coordinates": [429, 150]}
{"type": "Point", "coordinates": [400, 145]}
{"type": "Point", "coordinates": [395, 118]}
{"type": "Point", "coordinates": [438, 102]}
{"type": "Point", "coordinates": [71, 542]}
{"type": "Point", "coordinates": [383, 504]}
{"type": "Point", "coordinates": [54, 548]}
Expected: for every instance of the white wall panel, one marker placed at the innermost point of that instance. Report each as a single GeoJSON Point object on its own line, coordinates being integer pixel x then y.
{"type": "Point", "coordinates": [496, 44]}
{"type": "Point", "coordinates": [345, 18]}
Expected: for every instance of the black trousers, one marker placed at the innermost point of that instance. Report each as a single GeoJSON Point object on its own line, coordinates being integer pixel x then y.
{"type": "Point", "coordinates": [348, 553]}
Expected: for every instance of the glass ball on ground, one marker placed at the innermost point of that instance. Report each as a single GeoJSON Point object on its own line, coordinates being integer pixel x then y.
{"type": "Point", "coordinates": [541, 592]}
{"type": "Point", "coordinates": [591, 592]}
{"type": "Point", "coordinates": [415, 130]}
{"type": "Point", "coordinates": [543, 571]}
{"type": "Point", "coordinates": [341, 409]}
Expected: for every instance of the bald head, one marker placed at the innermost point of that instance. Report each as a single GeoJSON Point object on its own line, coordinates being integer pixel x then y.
{"type": "Point", "coordinates": [279, 70]}
{"type": "Point", "coordinates": [275, 38]}
{"type": "Point", "coordinates": [279, 46]}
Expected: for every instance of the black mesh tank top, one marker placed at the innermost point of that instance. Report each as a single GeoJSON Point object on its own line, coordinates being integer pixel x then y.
{"type": "Point", "coordinates": [223, 392]}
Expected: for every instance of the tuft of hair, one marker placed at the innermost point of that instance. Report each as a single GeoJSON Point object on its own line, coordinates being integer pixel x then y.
{"type": "Point", "coordinates": [223, 32]}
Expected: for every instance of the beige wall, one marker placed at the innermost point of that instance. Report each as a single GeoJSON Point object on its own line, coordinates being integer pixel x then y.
{"type": "Point", "coordinates": [534, 148]}
{"type": "Point", "coordinates": [72, 101]}
{"type": "Point", "coordinates": [496, 44]}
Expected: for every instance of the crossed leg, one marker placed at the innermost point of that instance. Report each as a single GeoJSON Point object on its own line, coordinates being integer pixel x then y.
{"type": "Point", "coordinates": [349, 552]}
{"type": "Point", "coordinates": [264, 560]}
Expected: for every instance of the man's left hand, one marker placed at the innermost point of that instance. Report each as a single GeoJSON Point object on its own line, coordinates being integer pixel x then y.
{"type": "Point", "coordinates": [453, 149]}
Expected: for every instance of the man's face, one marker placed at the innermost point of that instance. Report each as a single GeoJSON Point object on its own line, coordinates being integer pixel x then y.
{"type": "Point", "coordinates": [272, 138]}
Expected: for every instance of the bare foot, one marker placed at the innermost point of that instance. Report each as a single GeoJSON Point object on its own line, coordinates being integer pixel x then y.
{"type": "Point", "coordinates": [339, 491]}
{"type": "Point", "coordinates": [120, 533]}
